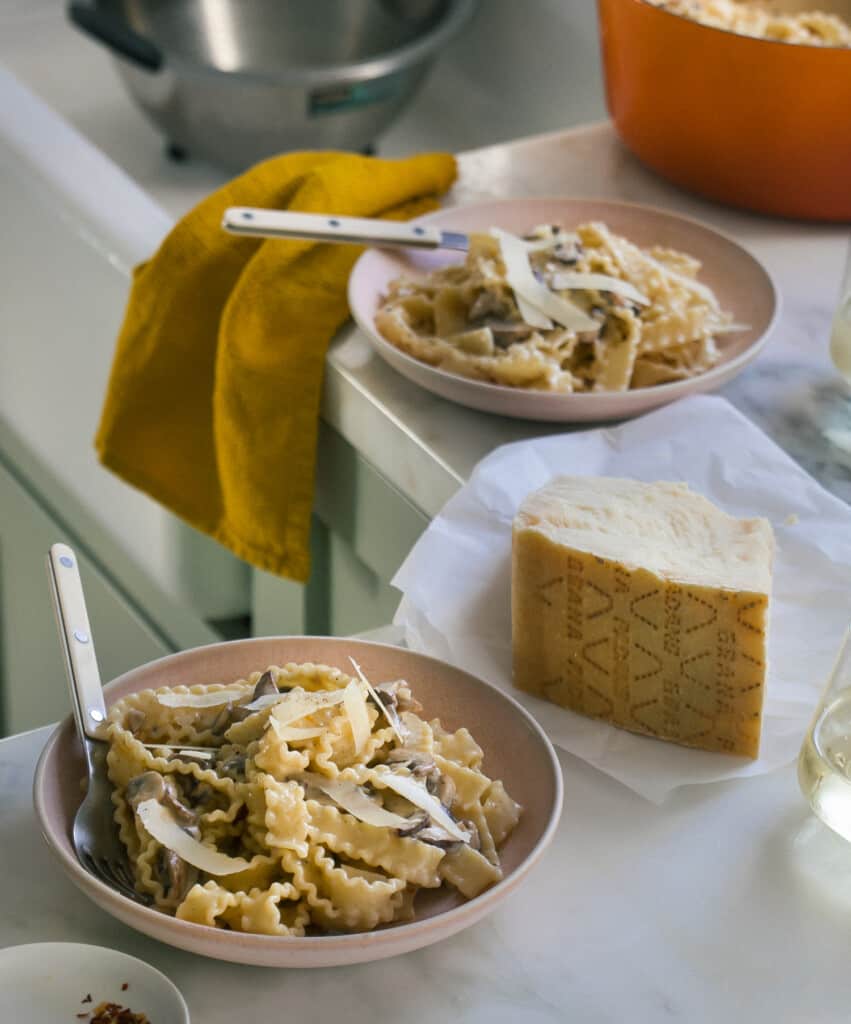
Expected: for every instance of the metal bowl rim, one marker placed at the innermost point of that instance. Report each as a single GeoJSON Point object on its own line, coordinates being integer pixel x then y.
{"type": "Point", "coordinates": [402, 59]}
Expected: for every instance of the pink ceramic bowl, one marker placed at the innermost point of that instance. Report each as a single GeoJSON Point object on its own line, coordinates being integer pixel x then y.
{"type": "Point", "coordinates": [741, 283]}
{"type": "Point", "coordinates": [516, 751]}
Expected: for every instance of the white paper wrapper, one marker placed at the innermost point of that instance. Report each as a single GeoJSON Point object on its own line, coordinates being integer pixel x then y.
{"type": "Point", "coordinates": [456, 580]}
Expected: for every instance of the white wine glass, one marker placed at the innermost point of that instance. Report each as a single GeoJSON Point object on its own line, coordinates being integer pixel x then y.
{"type": "Point", "coordinates": [824, 764]}
{"type": "Point", "coordinates": [840, 332]}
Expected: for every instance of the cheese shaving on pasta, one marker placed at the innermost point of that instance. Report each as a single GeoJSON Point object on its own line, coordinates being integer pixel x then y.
{"type": "Point", "coordinates": [159, 822]}
{"type": "Point", "coordinates": [528, 290]}
{"type": "Point", "coordinates": [379, 703]}
{"type": "Point", "coordinates": [420, 797]}
{"type": "Point", "coordinates": [291, 733]}
{"type": "Point", "coordinates": [597, 282]}
{"type": "Point", "coordinates": [355, 707]}
{"type": "Point", "coordinates": [197, 752]}
{"type": "Point", "coordinates": [351, 797]}
{"type": "Point", "coordinates": [557, 311]}
{"type": "Point", "coordinates": [292, 707]}
{"type": "Point", "coordinates": [185, 699]}
{"type": "Point", "coordinates": [294, 807]}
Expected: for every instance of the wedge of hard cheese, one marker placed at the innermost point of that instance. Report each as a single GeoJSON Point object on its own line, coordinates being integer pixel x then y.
{"type": "Point", "coordinates": [645, 605]}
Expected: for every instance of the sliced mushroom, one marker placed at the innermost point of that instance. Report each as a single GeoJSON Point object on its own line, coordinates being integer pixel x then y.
{"type": "Point", "coordinates": [205, 796]}
{"type": "Point", "coordinates": [445, 791]}
{"type": "Point", "coordinates": [386, 695]}
{"type": "Point", "coordinates": [134, 720]}
{"type": "Point", "coordinates": [569, 253]}
{"type": "Point", "coordinates": [509, 332]}
{"type": "Point", "coordinates": [153, 786]}
{"type": "Point", "coordinates": [402, 697]}
{"type": "Point", "coordinates": [265, 686]}
{"type": "Point", "coordinates": [434, 835]}
{"type": "Point", "coordinates": [233, 766]}
{"type": "Point", "coordinates": [472, 830]}
{"type": "Point", "coordinates": [222, 721]}
{"type": "Point", "coordinates": [171, 798]}
{"type": "Point", "coordinates": [420, 765]}
{"type": "Point", "coordinates": [228, 716]}
{"type": "Point", "coordinates": [488, 303]}
{"type": "Point", "coordinates": [417, 821]}
{"type": "Point", "coordinates": [147, 786]}
{"type": "Point", "coordinates": [193, 756]}
{"type": "Point", "coordinates": [177, 877]}
{"type": "Point", "coordinates": [387, 708]}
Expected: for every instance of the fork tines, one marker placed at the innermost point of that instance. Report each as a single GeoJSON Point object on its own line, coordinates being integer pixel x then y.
{"type": "Point", "coordinates": [115, 873]}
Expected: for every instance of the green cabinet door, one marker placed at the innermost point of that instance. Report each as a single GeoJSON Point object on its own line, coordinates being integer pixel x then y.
{"type": "Point", "coordinates": [33, 688]}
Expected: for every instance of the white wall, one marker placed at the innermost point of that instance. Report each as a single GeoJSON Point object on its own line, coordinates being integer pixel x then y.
{"type": "Point", "coordinates": [519, 68]}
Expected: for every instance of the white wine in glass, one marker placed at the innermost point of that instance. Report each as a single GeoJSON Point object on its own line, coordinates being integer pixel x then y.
{"type": "Point", "coordinates": [824, 764]}
{"type": "Point", "coordinates": [840, 332]}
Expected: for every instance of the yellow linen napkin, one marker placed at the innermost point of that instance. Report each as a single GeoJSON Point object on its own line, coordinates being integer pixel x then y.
{"type": "Point", "coordinates": [213, 399]}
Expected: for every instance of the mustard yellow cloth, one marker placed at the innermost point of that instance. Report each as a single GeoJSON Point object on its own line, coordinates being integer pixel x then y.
{"type": "Point", "coordinates": [213, 400]}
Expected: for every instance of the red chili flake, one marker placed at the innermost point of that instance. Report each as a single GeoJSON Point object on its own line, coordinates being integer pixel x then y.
{"type": "Point", "coordinates": [83, 1016]}
{"type": "Point", "coordinates": [125, 986]}
{"type": "Point", "coordinates": [112, 1013]}
{"type": "Point", "coordinates": [88, 998]}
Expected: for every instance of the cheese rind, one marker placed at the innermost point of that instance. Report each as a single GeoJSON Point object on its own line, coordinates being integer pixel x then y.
{"type": "Point", "coordinates": [664, 648]}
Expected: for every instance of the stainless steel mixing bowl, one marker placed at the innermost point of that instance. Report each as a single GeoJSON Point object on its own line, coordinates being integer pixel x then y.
{"type": "Point", "coordinates": [234, 81]}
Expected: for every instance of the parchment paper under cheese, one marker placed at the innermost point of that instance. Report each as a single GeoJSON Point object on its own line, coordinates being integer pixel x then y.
{"type": "Point", "coordinates": [456, 581]}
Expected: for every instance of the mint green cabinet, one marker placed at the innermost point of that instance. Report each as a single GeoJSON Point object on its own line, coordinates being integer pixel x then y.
{"type": "Point", "coordinates": [33, 688]}
{"type": "Point", "coordinates": [363, 527]}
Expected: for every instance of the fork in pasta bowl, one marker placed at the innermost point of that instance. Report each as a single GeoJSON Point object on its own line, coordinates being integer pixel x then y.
{"type": "Point", "coordinates": [94, 832]}
{"type": "Point", "coordinates": [566, 309]}
{"type": "Point", "coordinates": [309, 801]}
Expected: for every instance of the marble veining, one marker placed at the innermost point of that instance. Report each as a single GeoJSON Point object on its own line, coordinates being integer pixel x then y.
{"type": "Point", "coordinates": [729, 902]}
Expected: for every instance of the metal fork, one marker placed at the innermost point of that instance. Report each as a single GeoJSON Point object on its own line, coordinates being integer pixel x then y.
{"type": "Point", "coordinates": [95, 833]}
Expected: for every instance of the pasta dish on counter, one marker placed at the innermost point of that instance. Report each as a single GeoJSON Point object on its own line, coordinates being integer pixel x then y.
{"type": "Point", "coordinates": [808, 28]}
{"type": "Point", "coordinates": [300, 800]}
{"type": "Point", "coordinates": [560, 311]}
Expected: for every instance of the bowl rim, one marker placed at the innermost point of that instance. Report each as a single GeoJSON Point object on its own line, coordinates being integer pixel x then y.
{"type": "Point", "coordinates": [394, 61]}
{"type": "Point", "coordinates": [743, 35]}
{"type": "Point", "coordinates": [668, 391]}
{"type": "Point", "coordinates": [378, 939]}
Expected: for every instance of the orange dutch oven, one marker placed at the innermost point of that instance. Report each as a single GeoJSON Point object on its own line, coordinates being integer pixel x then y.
{"type": "Point", "coordinates": [754, 123]}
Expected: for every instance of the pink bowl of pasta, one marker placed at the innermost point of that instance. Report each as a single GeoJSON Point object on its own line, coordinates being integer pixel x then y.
{"type": "Point", "coordinates": [309, 801]}
{"type": "Point", "coordinates": [566, 310]}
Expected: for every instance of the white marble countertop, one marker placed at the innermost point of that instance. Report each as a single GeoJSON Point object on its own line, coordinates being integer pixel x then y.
{"type": "Point", "coordinates": [728, 903]}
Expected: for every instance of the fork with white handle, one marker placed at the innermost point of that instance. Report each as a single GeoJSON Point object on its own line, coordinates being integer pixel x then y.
{"type": "Point", "coordinates": [250, 220]}
{"type": "Point", "coordinates": [95, 833]}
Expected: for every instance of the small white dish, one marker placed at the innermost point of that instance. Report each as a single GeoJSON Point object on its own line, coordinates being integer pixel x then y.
{"type": "Point", "coordinates": [46, 983]}
{"type": "Point", "coordinates": [741, 283]}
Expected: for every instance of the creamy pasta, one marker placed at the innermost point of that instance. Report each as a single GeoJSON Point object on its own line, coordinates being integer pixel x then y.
{"type": "Point", "coordinates": [560, 311]}
{"type": "Point", "coordinates": [300, 800]}
{"type": "Point", "coordinates": [809, 28]}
